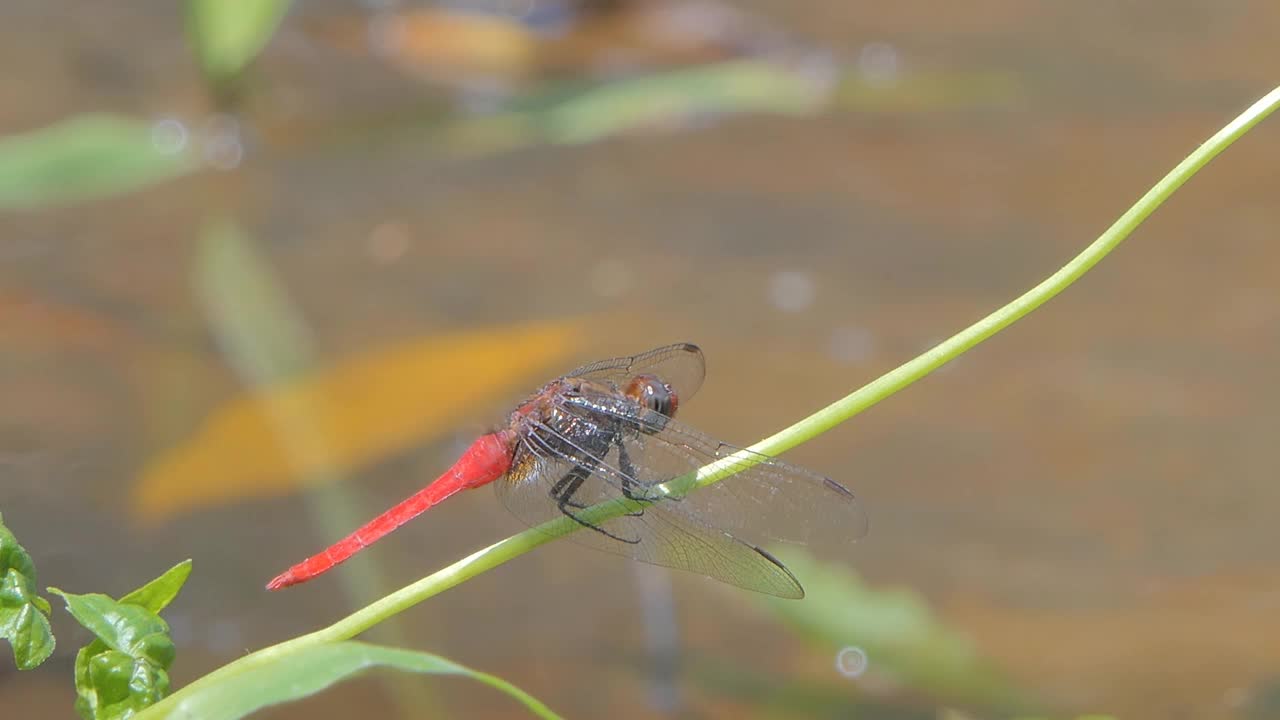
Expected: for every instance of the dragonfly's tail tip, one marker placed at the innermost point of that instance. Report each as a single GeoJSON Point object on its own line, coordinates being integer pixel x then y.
{"type": "Point", "coordinates": [283, 580]}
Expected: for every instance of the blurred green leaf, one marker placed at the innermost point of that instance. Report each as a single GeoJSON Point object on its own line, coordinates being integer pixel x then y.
{"type": "Point", "coordinates": [924, 92]}
{"type": "Point", "coordinates": [897, 632]}
{"type": "Point", "coordinates": [734, 87]}
{"type": "Point", "coordinates": [1077, 717]}
{"type": "Point", "coordinates": [84, 157]}
{"type": "Point", "coordinates": [256, 323]}
{"type": "Point", "coordinates": [24, 615]}
{"type": "Point", "coordinates": [226, 35]}
{"type": "Point", "coordinates": [298, 673]}
{"type": "Point", "coordinates": [577, 113]}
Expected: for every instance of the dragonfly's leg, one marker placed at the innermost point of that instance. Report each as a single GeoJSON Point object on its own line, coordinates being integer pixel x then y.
{"type": "Point", "coordinates": [629, 482]}
{"type": "Point", "coordinates": [563, 492]}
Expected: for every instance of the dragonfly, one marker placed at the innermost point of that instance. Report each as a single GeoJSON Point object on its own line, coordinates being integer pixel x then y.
{"type": "Point", "coordinates": [605, 434]}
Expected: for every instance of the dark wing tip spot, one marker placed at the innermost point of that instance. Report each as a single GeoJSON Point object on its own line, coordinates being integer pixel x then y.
{"type": "Point", "coordinates": [690, 347]}
{"type": "Point", "coordinates": [859, 524]}
{"type": "Point", "coordinates": [798, 593]}
{"type": "Point", "coordinates": [837, 487]}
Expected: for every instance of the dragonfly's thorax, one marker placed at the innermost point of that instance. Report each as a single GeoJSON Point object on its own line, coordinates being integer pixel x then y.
{"type": "Point", "coordinates": [643, 405]}
{"type": "Point", "coordinates": [576, 415]}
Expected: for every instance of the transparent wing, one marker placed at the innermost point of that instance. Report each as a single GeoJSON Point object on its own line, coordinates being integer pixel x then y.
{"type": "Point", "coordinates": [681, 366]}
{"type": "Point", "coordinates": [770, 498]}
{"type": "Point", "coordinates": [659, 534]}
{"type": "Point", "coordinates": [711, 530]}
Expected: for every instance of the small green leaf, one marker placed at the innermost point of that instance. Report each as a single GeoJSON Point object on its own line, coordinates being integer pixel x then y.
{"type": "Point", "coordinates": [299, 673]}
{"type": "Point", "coordinates": [124, 627]}
{"type": "Point", "coordinates": [157, 594]}
{"type": "Point", "coordinates": [24, 615]}
{"type": "Point", "coordinates": [84, 157]}
{"type": "Point", "coordinates": [28, 631]}
{"type": "Point", "coordinates": [227, 35]}
{"type": "Point", "coordinates": [13, 555]}
{"type": "Point", "coordinates": [123, 670]}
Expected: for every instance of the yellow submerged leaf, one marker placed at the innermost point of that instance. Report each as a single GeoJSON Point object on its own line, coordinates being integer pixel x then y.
{"type": "Point", "coordinates": [363, 409]}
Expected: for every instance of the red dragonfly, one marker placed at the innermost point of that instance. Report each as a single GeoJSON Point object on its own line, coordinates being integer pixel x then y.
{"type": "Point", "coordinates": [605, 433]}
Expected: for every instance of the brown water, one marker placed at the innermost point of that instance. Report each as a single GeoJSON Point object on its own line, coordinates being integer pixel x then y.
{"type": "Point", "coordinates": [1089, 495]}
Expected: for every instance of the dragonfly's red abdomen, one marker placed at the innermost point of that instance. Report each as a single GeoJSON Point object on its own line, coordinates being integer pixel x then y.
{"type": "Point", "coordinates": [486, 460]}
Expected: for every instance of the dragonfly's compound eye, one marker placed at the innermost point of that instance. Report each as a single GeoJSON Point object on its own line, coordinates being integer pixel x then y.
{"type": "Point", "coordinates": [653, 394]}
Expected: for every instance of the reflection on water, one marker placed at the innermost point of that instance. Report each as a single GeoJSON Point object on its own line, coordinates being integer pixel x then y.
{"type": "Point", "coordinates": [812, 192]}
{"type": "Point", "coordinates": [851, 662]}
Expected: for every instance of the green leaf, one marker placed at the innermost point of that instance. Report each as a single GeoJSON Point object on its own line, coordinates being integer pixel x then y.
{"type": "Point", "coordinates": [84, 157]}
{"type": "Point", "coordinates": [24, 615]}
{"type": "Point", "coordinates": [158, 593]}
{"type": "Point", "coordinates": [131, 629]}
{"type": "Point", "coordinates": [295, 674]}
{"type": "Point", "coordinates": [227, 35]}
{"type": "Point", "coordinates": [898, 634]}
{"type": "Point", "coordinates": [27, 630]}
{"type": "Point", "coordinates": [111, 685]}
{"type": "Point", "coordinates": [115, 684]}
{"type": "Point", "coordinates": [124, 669]}
{"type": "Point", "coordinates": [13, 555]}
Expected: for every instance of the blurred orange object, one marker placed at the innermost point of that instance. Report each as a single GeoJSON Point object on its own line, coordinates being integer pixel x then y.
{"type": "Point", "coordinates": [588, 39]}
{"type": "Point", "coordinates": [362, 409]}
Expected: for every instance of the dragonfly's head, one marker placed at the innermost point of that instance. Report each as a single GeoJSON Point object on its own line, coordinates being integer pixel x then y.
{"type": "Point", "coordinates": [653, 394]}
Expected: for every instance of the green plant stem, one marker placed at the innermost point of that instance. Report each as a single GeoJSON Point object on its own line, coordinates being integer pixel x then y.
{"type": "Point", "coordinates": [951, 348]}
{"type": "Point", "coordinates": [806, 429]}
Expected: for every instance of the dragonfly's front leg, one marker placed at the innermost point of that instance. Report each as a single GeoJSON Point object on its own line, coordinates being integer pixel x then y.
{"type": "Point", "coordinates": [563, 491]}
{"type": "Point", "coordinates": [629, 481]}
{"type": "Point", "coordinates": [567, 486]}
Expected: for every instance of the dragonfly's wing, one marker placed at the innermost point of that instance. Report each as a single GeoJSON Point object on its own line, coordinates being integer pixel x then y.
{"type": "Point", "coordinates": [711, 531]}
{"type": "Point", "coordinates": [681, 366]}
{"type": "Point", "coordinates": [659, 535]}
{"type": "Point", "coordinates": [768, 499]}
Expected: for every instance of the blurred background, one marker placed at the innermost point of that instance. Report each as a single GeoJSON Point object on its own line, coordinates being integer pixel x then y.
{"type": "Point", "coordinates": [248, 300]}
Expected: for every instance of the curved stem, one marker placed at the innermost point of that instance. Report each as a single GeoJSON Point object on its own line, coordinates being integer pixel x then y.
{"type": "Point", "coordinates": [806, 429]}
{"type": "Point", "coordinates": [951, 348]}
